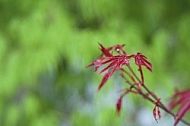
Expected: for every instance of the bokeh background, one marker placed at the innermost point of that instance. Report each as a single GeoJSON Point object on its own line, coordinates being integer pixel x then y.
{"type": "Point", "coordinates": [46, 44]}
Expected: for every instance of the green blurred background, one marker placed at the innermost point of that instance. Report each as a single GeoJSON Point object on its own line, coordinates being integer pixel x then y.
{"type": "Point", "coordinates": [45, 46]}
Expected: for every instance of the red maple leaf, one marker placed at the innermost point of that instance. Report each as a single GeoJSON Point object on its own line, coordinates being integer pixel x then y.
{"type": "Point", "coordinates": [156, 111]}
{"type": "Point", "coordinates": [181, 99]}
{"type": "Point", "coordinates": [141, 60]}
{"type": "Point", "coordinates": [109, 51]}
{"type": "Point", "coordinates": [119, 101]}
{"type": "Point", "coordinates": [114, 62]}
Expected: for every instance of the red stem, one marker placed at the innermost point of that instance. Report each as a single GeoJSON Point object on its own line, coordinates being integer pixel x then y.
{"type": "Point", "coordinates": [161, 105]}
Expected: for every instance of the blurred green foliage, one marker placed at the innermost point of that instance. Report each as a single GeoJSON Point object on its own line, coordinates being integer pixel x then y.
{"type": "Point", "coordinates": [45, 46]}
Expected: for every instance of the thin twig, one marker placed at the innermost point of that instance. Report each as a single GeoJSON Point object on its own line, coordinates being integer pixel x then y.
{"type": "Point", "coordinates": [161, 105]}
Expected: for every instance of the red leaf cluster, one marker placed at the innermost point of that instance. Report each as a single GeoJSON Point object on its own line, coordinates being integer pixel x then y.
{"type": "Point", "coordinates": [116, 62]}
{"type": "Point", "coordinates": [114, 58]}
{"type": "Point", "coordinates": [181, 99]}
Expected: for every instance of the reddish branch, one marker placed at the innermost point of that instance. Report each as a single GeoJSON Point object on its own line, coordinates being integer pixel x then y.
{"type": "Point", "coordinates": [114, 59]}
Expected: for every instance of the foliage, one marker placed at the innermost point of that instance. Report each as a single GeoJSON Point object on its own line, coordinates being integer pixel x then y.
{"type": "Point", "coordinates": [45, 45]}
{"type": "Point", "coordinates": [118, 62]}
{"type": "Point", "coordinates": [180, 98]}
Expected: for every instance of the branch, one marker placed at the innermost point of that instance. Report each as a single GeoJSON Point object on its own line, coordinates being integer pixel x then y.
{"type": "Point", "coordinates": [161, 105]}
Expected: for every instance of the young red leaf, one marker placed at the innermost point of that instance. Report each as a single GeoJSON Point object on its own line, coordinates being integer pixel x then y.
{"type": "Point", "coordinates": [141, 60]}
{"type": "Point", "coordinates": [97, 63]}
{"type": "Point", "coordinates": [109, 51]}
{"type": "Point", "coordinates": [105, 51]}
{"type": "Point", "coordinates": [182, 99]}
{"type": "Point", "coordinates": [108, 67]}
{"type": "Point", "coordinates": [119, 101]}
{"type": "Point", "coordinates": [118, 105]}
{"type": "Point", "coordinates": [156, 111]}
{"type": "Point", "coordinates": [141, 73]}
{"type": "Point", "coordinates": [181, 112]}
{"type": "Point", "coordinates": [116, 62]}
{"type": "Point", "coordinates": [105, 79]}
